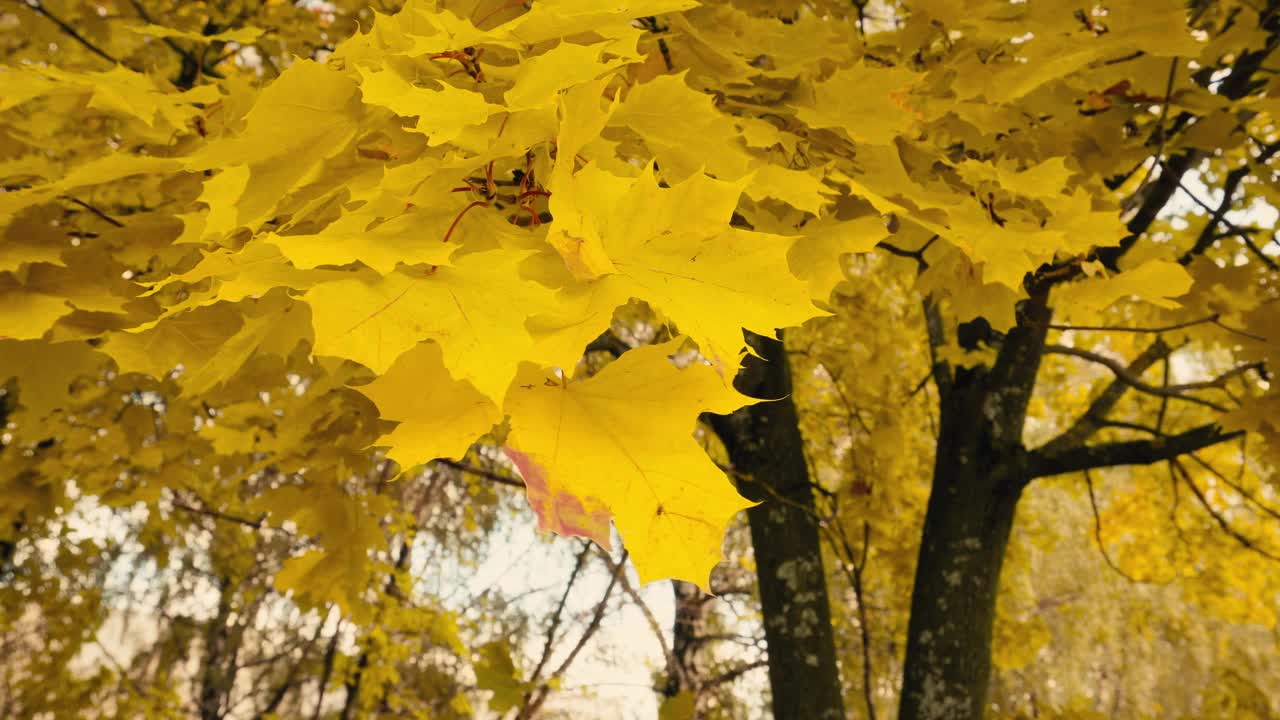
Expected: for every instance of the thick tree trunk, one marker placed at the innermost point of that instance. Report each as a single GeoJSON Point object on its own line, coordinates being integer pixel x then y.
{"type": "Point", "coordinates": [979, 473]}
{"type": "Point", "coordinates": [766, 451]}
{"type": "Point", "coordinates": [966, 530]}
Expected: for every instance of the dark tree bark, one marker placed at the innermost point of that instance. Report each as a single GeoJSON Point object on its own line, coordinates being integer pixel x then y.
{"type": "Point", "coordinates": [766, 452]}
{"type": "Point", "coordinates": [687, 634]}
{"type": "Point", "coordinates": [981, 466]}
{"type": "Point", "coordinates": [980, 470]}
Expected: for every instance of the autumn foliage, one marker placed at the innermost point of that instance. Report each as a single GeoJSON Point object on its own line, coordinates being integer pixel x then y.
{"type": "Point", "coordinates": [271, 265]}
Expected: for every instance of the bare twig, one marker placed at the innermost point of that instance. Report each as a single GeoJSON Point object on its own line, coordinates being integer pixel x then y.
{"type": "Point", "coordinates": [1214, 319]}
{"type": "Point", "coordinates": [1164, 401]}
{"type": "Point", "coordinates": [38, 7]}
{"type": "Point", "coordinates": [1248, 496]}
{"type": "Point", "coordinates": [536, 697]}
{"type": "Point", "coordinates": [917, 255]}
{"type": "Point", "coordinates": [1231, 532]}
{"type": "Point", "coordinates": [1217, 216]}
{"type": "Point", "coordinates": [559, 611]}
{"type": "Point", "coordinates": [674, 668]}
{"type": "Point", "coordinates": [735, 673]}
{"type": "Point", "coordinates": [1161, 132]}
{"type": "Point", "coordinates": [481, 473]}
{"type": "Point", "coordinates": [256, 524]}
{"type": "Point", "coordinates": [1088, 423]}
{"type": "Point", "coordinates": [94, 210]}
{"type": "Point", "coordinates": [1172, 391]}
{"type": "Point", "coordinates": [330, 656]}
{"type": "Point", "coordinates": [864, 629]}
{"type": "Point", "coordinates": [1097, 533]}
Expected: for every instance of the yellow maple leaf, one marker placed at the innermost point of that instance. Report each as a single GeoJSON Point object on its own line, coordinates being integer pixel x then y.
{"type": "Point", "coordinates": [304, 117]}
{"type": "Point", "coordinates": [475, 308]}
{"type": "Point", "coordinates": [815, 257]}
{"type": "Point", "coordinates": [106, 169]}
{"type": "Point", "coordinates": [647, 111]}
{"type": "Point", "coordinates": [1156, 282]}
{"type": "Point", "coordinates": [45, 371]}
{"type": "Point", "coordinates": [241, 35]}
{"type": "Point", "coordinates": [26, 315]}
{"type": "Point", "coordinates": [539, 80]}
{"type": "Point", "coordinates": [673, 248]}
{"type": "Point", "coordinates": [249, 272]}
{"type": "Point", "coordinates": [439, 417]}
{"type": "Point", "coordinates": [562, 18]}
{"type": "Point", "coordinates": [720, 151]}
{"type": "Point", "coordinates": [559, 510]}
{"type": "Point", "coordinates": [347, 531]}
{"type": "Point", "coordinates": [624, 438]}
{"type": "Point", "coordinates": [411, 238]}
{"type": "Point", "coordinates": [869, 103]}
{"type": "Point", "coordinates": [443, 112]}
{"type": "Point", "coordinates": [212, 342]}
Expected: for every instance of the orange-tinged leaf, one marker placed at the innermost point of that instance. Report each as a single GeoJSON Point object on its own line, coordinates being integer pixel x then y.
{"type": "Point", "coordinates": [559, 511]}
{"type": "Point", "coordinates": [624, 439]}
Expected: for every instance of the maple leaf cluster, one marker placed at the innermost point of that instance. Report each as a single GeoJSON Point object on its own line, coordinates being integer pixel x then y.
{"type": "Point", "coordinates": [457, 203]}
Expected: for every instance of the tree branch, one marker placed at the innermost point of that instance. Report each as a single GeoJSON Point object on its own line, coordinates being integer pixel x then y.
{"type": "Point", "coordinates": [1097, 533]}
{"type": "Point", "coordinates": [536, 697]}
{"type": "Point", "coordinates": [917, 255]}
{"type": "Point", "coordinates": [1218, 215]}
{"type": "Point", "coordinates": [559, 611]}
{"type": "Point", "coordinates": [1248, 496]}
{"type": "Point", "coordinates": [1094, 417]}
{"type": "Point", "coordinates": [864, 629]}
{"type": "Point", "coordinates": [330, 655]}
{"type": "Point", "coordinates": [1171, 391]}
{"type": "Point", "coordinates": [257, 524]}
{"type": "Point", "coordinates": [481, 473]}
{"type": "Point", "coordinates": [291, 677]}
{"type": "Point", "coordinates": [1153, 197]}
{"type": "Point", "coordinates": [191, 65]}
{"type": "Point", "coordinates": [1132, 452]}
{"type": "Point", "coordinates": [734, 674]}
{"type": "Point", "coordinates": [674, 669]}
{"type": "Point", "coordinates": [937, 338]}
{"type": "Point", "coordinates": [39, 8]}
{"type": "Point", "coordinates": [1234, 534]}
{"type": "Point", "coordinates": [1215, 319]}
{"type": "Point", "coordinates": [110, 220]}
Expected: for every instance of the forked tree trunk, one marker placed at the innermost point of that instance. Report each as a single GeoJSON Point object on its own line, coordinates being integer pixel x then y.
{"type": "Point", "coordinates": [767, 455]}
{"type": "Point", "coordinates": [979, 473]}
{"type": "Point", "coordinates": [981, 468]}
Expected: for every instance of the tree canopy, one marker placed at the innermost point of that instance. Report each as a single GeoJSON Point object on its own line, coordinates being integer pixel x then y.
{"type": "Point", "coordinates": [289, 290]}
